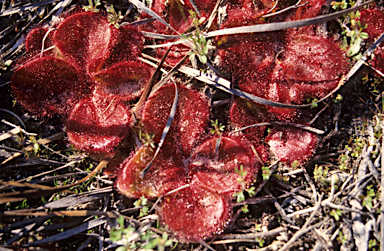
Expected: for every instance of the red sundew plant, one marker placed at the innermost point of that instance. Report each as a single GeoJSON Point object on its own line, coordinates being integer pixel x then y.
{"type": "Point", "coordinates": [369, 19]}
{"type": "Point", "coordinates": [91, 76]}
{"type": "Point", "coordinates": [92, 72]}
{"type": "Point", "coordinates": [287, 67]}
{"type": "Point", "coordinates": [209, 174]}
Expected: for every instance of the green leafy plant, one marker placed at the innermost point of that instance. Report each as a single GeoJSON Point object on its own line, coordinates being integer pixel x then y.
{"type": "Point", "coordinates": [336, 213]}
{"type": "Point", "coordinates": [36, 145]}
{"type": "Point", "coordinates": [258, 227]}
{"type": "Point", "coordinates": [339, 5]}
{"type": "Point", "coordinates": [344, 159]}
{"type": "Point", "coordinates": [265, 172]}
{"type": "Point", "coordinates": [320, 173]}
{"type": "Point", "coordinates": [251, 190]}
{"type": "Point", "coordinates": [114, 17]}
{"type": "Point", "coordinates": [314, 103]}
{"type": "Point", "coordinates": [371, 194]}
{"type": "Point", "coordinates": [342, 239]}
{"type": "Point", "coordinates": [147, 139]}
{"type": "Point", "coordinates": [358, 146]}
{"type": "Point", "coordinates": [159, 243]}
{"type": "Point", "coordinates": [92, 6]}
{"type": "Point", "coordinates": [200, 44]}
{"type": "Point", "coordinates": [23, 205]}
{"type": "Point", "coordinates": [142, 203]}
{"type": "Point", "coordinates": [130, 239]}
{"type": "Point", "coordinates": [261, 241]}
{"type": "Point", "coordinates": [338, 98]}
{"type": "Point", "coordinates": [354, 35]}
{"type": "Point", "coordinates": [374, 244]}
{"type": "Point", "coordinates": [218, 128]}
{"type": "Point", "coordinates": [4, 64]}
{"type": "Point", "coordinates": [295, 164]}
{"type": "Point", "coordinates": [122, 233]}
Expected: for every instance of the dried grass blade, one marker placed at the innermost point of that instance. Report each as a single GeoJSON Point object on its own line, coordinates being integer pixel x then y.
{"type": "Point", "coordinates": [20, 196]}
{"type": "Point", "coordinates": [213, 15]}
{"type": "Point", "coordinates": [158, 36]}
{"type": "Point", "coordinates": [285, 25]}
{"type": "Point", "coordinates": [165, 131]}
{"type": "Point", "coordinates": [354, 69]}
{"type": "Point", "coordinates": [29, 148]}
{"type": "Point", "coordinates": [150, 12]}
{"type": "Point", "coordinates": [59, 7]}
{"type": "Point", "coordinates": [10, 133]}
{"type": "Point", "coordinates": [22, 223]}
{"type": "Point", "coordinates": [307, 128]}
{"type": "Point", "coordinates": [76, 213]}
{"type": "Point", "coordinates": [193, 3]}
{"type": "Point", "coordinates": [253, 236]}
{"type": "Point", "coordinates": [25, 195]}
{"type": "Point", "coordinates": [25, 229]}
{"type": "Point", "coordinates": [24, 184]}
{"type": "Point", "coordinates": [71, 163]}
{"type": "Point", "coordinates": [165, 79]}
{"type": "Point", "coordinates": [15, 115]}
{"type": "Point", "coordinates": [148, 88]}
{"type": "Point", "coordinates": [25, 7]}
{"type": "Point", "coordinates": [77, 199]}
{"type": "Point", "coordinates": [225, 85]}
{"type": "Point", "coordinates": [76, 230]}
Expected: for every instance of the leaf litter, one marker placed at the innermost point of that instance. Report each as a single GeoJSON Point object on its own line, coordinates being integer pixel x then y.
{"type": "Point", "coordinates": [344, 202]}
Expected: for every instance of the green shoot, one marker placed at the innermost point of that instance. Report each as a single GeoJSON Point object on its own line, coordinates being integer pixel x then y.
{"type": "Point", "coordinates": [4, 64]}
{"type": "Point", "coordinates": [130, 239]}
{"type": "Point", "coordinates": [338, 98]}
{"type": "Point", "coordinates": [200, 45]}
{"type": "Point", "coordinates": [92, 7]}
{"type": "Point", "coordinates": [147, 139]}
{"type": "Point", "coordinates": [266, 173]}
{"type": "Point", "coordinates": [218, 128]}
{"type": "Point", "coordinates": [295, 164]}
{"type": "Point", "coordinates": [314, 103]}
{"type": "Point", "coordinates": [320, 173]}
{"type": "Point", "coordinates": [36, 146]}
{"type": "Point", "coordinates": [240, 197]}
{"type": "Point", "coordinates": [336, 213]}
{"type": "Point", "coordinates": [367, 200]}
{"type": "Point", "coordinates": [142, 202]}
{"type": "Point", "coordinates": [114, 17]}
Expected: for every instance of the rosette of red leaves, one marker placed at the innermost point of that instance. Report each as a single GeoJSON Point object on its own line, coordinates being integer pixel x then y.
{"type": "Point", "coordinates": [196, 178]}
{"type": "Point", "coordinates": [287, 67]}
{"type": "Point", "coordinates": [92, 73]}
{"type": "Point", "coordinates": [88, 78]}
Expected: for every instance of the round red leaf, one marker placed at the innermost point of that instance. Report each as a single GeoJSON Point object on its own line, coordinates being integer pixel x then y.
{"type": "Point", "coordinates": [289, 144]}
{"type": "Point", "coordinates": [126, 80]}
{"type": "Point", "coordinates": [190, 122]}
{"type": "Point", "coordinates": [164, 175]}
{"type": "Point", "coordinates": [84, 37]}
{"type": "Point", "coordinates": [194, 213]}
{"type": "Point", "coordinates": [98, 125]}
{"type": "Point", "coordinates": [219, 172]}
{"type": "Point", "coordinates": [34, 40]}
{"type": "Point", "coordinates": [48, 86]}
